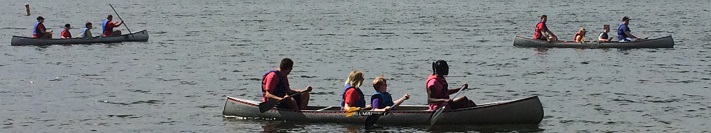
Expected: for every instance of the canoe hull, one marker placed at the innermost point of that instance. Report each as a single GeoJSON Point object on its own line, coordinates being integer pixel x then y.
{"type": "Point", "coordinates": [521, 111]}
{"type": "Point", "coordinates": [140, 36]}
{"type": "Point", "coordinates": [663, 42]}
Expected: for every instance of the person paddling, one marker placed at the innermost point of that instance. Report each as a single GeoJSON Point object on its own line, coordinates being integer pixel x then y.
{"type": "Point", "coordinates": [39, 31]}
{"type": "Point", "coordinates": [108, 27]}
{"type": "Point", "coordinates": [86, 31]}
{"type": "Point", "coordinates": [352, 95]}
{"type": "Point", "coordinates": [542, 32]}
{"type": "Point", "coordinates": [382, 100]}
{"type": "Point", "coordinates": [603, 37]}
{"type": "Point", "coordinates": [438, 92]}
{"type": "Point", "coordinates": [275, 85]}
{"type": "Point", "coordinates": [623, 31]}
{"type": "Point", "coordinates": [65, 33]}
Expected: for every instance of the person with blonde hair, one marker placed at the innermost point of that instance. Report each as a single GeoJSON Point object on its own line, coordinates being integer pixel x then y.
{"type": "Point", "coordinates": [580, 35]}
{"type": "Point", "coordinates": [352, 95]}
{"type": "Point", "coordinates": [382, 100]}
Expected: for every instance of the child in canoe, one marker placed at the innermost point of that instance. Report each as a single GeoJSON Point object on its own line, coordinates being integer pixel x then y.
{"type": "Point", "coordinates": [353, 98]}
{"type": "Point", "coordinates": [382, 100]}
{"type": "Point", "coordinates": [580, 35]}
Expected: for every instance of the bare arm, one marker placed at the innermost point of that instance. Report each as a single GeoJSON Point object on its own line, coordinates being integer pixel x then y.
{"type": "Point", "coordinates": [396, 102]}
{"type": "Point", "coordinates": [551, 33]}
{"type": "Point", "coordinates": [630, 34]}
{"type": "Point", "coordinates": [455, 90]}
{"type": "Point", "coordinates": [433, 100]}
{"type": "Point", "coordinates": [272, 96]}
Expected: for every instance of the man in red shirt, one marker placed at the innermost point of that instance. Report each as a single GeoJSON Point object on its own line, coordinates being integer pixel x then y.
{"type": "Point", "coordinates": [542, 32]}
{"type": "Point", "coordinates": [275, 85]}
{"type": "Point", "coordinates": [108, 27]}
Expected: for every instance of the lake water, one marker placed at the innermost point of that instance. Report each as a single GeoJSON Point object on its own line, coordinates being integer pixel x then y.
{"type": "Point", "coordinates": [201, 51]}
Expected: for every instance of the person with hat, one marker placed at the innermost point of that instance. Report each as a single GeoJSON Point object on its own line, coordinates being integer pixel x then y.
{"type": "Point", "coordinates": [108, 27]}
{"type": "Point", "coordinates": [623, 31]}
{"type": "Point", "coordinates": [542, 32]}
{"type": "Point", "coordinates": [438, 92]}
{"type": "Point", "coordinates": [39, 31]}
{"type": "Point", "coordinates": [65, 33]}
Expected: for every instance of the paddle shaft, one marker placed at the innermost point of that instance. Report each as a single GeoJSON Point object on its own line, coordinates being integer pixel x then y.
{"type": "Point", "coordinates": [440, 110]}
{"type": "Point", "coordinates": [372, 119]}
{"type": "Point", "coordinates": [119, 16]}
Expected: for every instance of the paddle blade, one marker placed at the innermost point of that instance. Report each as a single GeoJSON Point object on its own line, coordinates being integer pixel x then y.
{"type": "Point", "coordinates": [351, 111]}
{"type": "Point", "coordinates": [265, 106]}
{"type": "Point", "coordinates": [435, 115]}
{"type": "Point", "coordinates": [370, 121]}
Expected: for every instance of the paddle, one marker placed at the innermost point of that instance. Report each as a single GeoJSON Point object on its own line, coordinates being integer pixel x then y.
{"type": "Point", "coordinates": [269, 104]}
{"type": "Point", "coordinates": [119, 16]}
{"type": "Point", "coordinates": [437, 112]}
{"type": "Point", "coordinates": [370, 121]}
{"type": "Point", "coordinates": [352, 111]}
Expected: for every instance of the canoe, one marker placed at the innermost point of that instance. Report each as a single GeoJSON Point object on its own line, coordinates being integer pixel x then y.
{"type": "Point", "coordinates": [140, 36]}
{"type": "Point", "coordinates": [663, 42]}
{"type": "Point", "coordinates": [519, 111]}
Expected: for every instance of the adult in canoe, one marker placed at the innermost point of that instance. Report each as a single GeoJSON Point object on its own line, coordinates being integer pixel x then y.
{"type": "Point", "coordinates": [86, 31]}
{"type": "Point", "coordinates": [352, 95]}
{"type": "Point", "coordinates": [438, 92]}
{"type": "Point", "coordinates": [603, 37]}
{"type": "Point", "coordinates": [382, 100]}
{"type": "Point", "coordinates": [275, 85]}
{"type": "Point", "coordinates": [39, 31]}
{"type": "Point", "coordinates": [107, 27]}
{"type": "Point", "coordinates": [623, 31]}
{"type": "Point", "coordinates": [542, 32]}
{"type": "Point", "coordinates": [65, 33]}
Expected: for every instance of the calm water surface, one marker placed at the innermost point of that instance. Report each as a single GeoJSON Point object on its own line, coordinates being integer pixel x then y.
{"type": "Point", "coordinates": [202, 51]}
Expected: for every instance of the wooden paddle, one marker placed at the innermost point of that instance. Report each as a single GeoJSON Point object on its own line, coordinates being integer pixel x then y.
{"type": "Point", "coordinates": [433, 118]}
{"type": "Point", "coordinates": [269, 104]}
{"type": "Point", "coordinates": [370, 121]}
{"type": "Point", "coordinates": [119, 16]}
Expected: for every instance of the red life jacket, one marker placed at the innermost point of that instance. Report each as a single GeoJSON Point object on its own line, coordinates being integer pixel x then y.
{"type": "Point", "coordinates": [441, 93]}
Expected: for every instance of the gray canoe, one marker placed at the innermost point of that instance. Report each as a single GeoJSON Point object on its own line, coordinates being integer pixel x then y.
{"type": "Point", "coordinates": [664, 42]}
{"type": "Point", "coordinates": [140, 36]}
{"type": "Point", "coordinates": [520, 111]}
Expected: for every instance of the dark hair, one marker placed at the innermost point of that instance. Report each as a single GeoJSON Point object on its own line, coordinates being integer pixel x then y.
{"type": "Point", "coordinates": [544, 16]}
{"type": "Point", "coordinates": [67, 25]}
{"type": "Point", "coordinates": [110, 16]}
{"type": "Point", "coordinates": [40, 18]}
{"type": "Point", "coordinates": [87, 24]}
{"type": "Point", "coordinates": [439, 67]}
{"type": "Point", "coordinates": [286, 63]}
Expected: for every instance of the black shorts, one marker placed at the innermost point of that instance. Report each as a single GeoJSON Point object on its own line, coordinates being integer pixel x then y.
{"type": "Point", "coordinates": [285, 105]}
